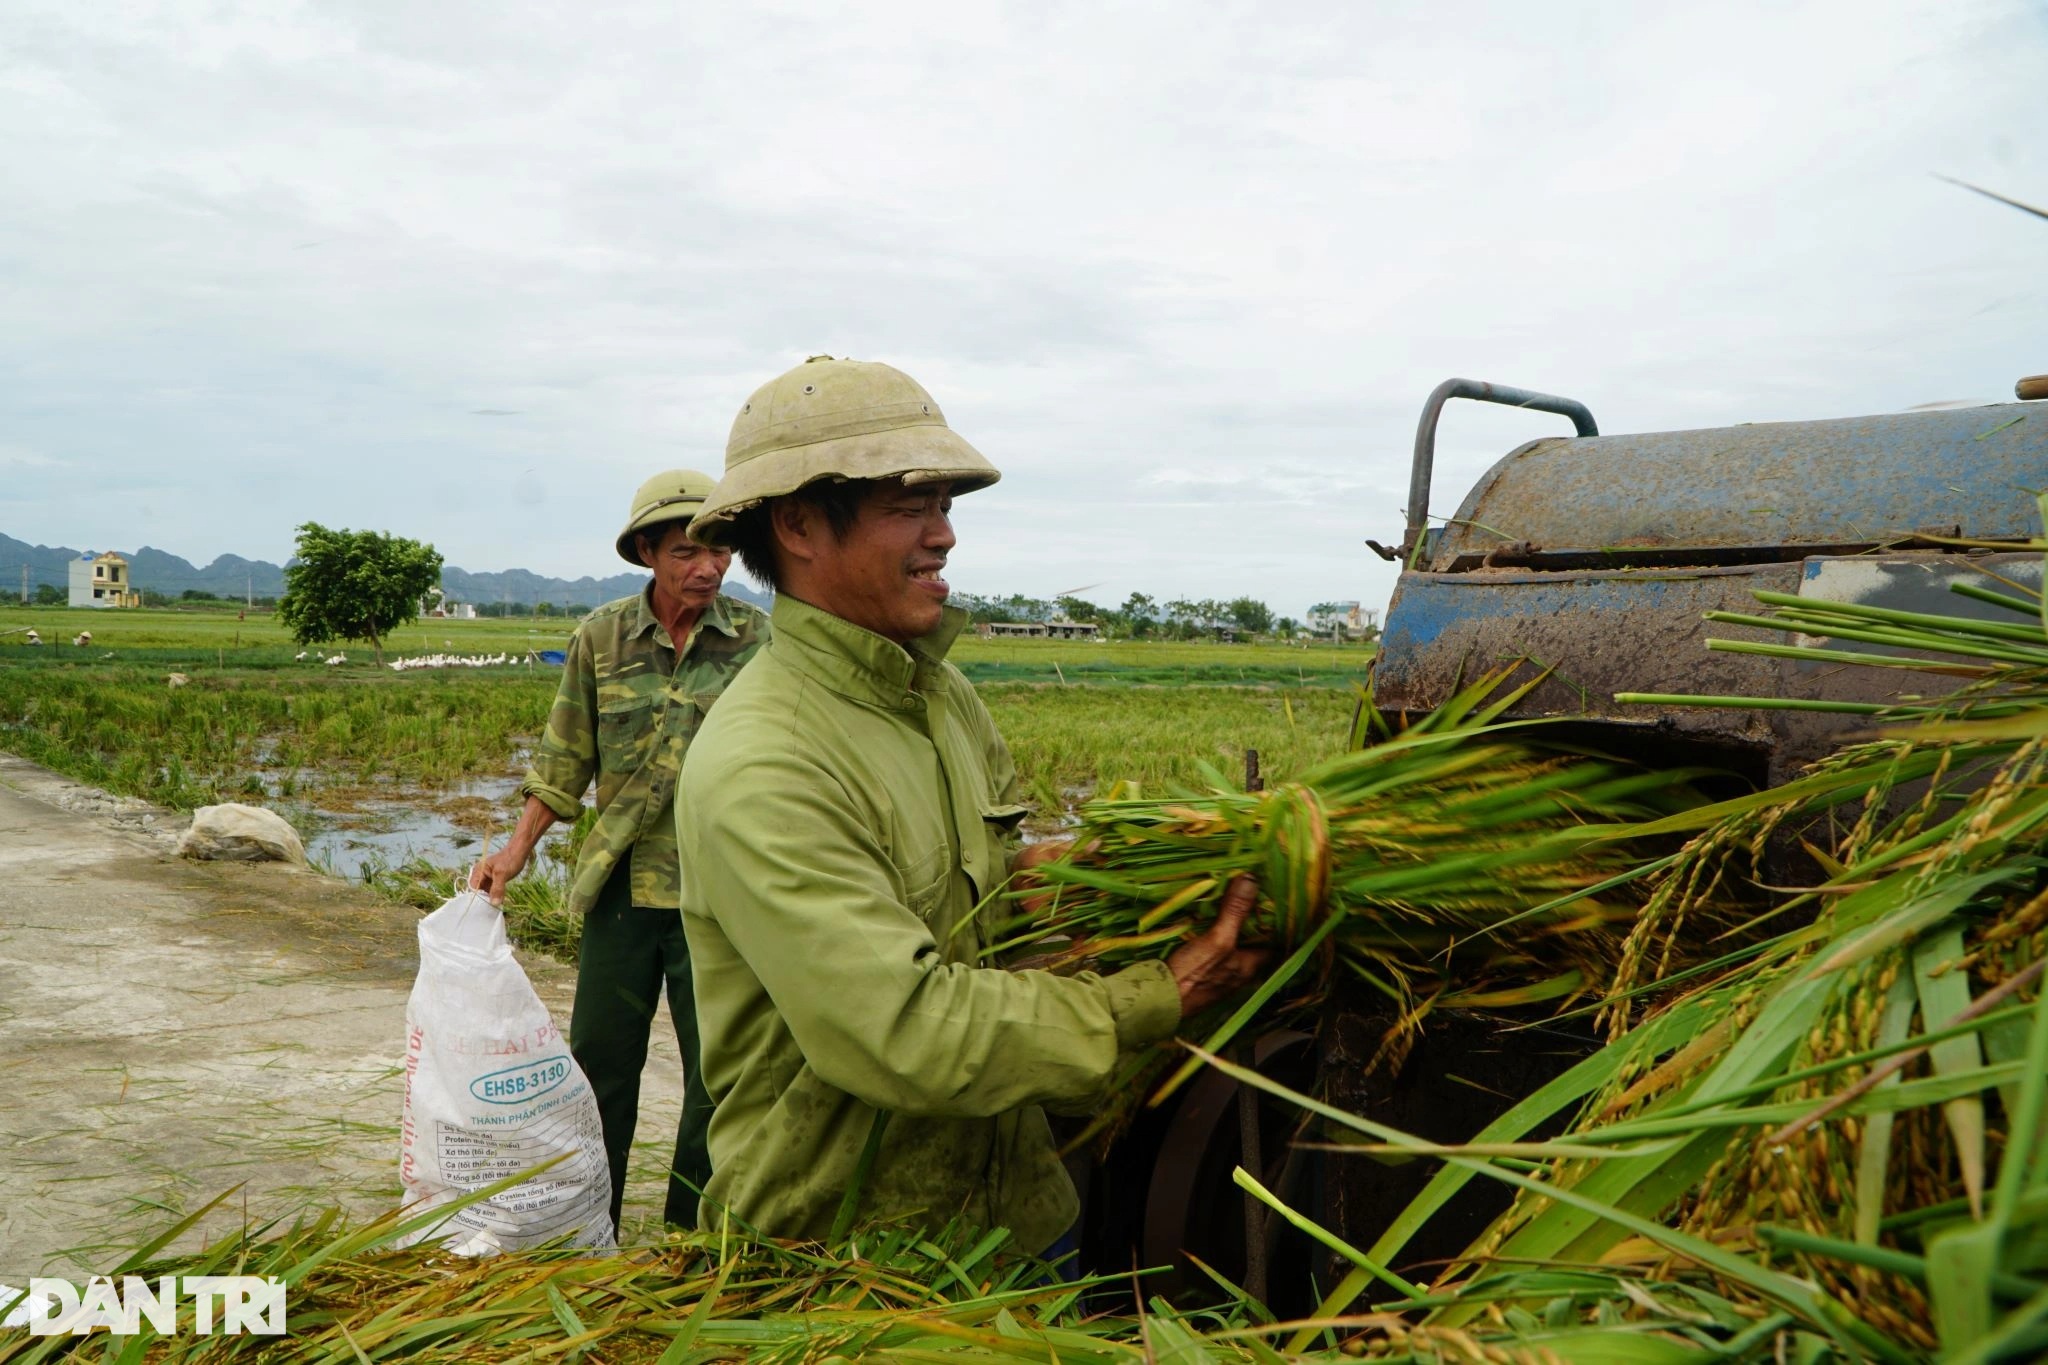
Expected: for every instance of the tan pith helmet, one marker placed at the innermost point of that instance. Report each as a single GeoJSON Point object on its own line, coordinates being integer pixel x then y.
{"type": "Point", "coordinates": [672, 495]}
{"type": "Point", "coordinates": [836, 419]}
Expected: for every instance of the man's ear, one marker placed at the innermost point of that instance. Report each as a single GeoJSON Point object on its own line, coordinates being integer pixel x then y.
{"type": "Point", "coordinates": [643, 549]}
{"type": "Point", "coordinates": [795, 525]}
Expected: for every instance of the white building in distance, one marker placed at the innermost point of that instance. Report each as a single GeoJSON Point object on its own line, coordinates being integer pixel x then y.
{"type": "Point", "coordinates": [1347, 617]}
{"type": "Point", "coordinates": [436, 605]}
{"type": "Point", "coordinates": [1039, 630]}
{"type": "Point", "coordinates": [101, 580]}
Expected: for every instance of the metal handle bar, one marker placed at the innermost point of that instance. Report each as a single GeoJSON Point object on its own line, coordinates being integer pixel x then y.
{"type": "Point", "coordinates": [1425, 436]}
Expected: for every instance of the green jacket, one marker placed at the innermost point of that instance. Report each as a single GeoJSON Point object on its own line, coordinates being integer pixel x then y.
{"type": "Point", "coordinates": [626, 711]}
{"type": "Point", "coordinates": [842, 812]}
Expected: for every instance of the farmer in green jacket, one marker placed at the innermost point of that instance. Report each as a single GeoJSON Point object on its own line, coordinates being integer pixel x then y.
{"type": "Point", "coordinates": [842, 813]}
{"type": "Point", "coordinates": [641, 674]}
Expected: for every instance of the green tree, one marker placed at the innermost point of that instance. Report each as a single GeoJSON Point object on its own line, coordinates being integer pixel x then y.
{"type": "Point", "coordinates": [1078, 609]}
{"type": "Point", "coordinates": [50, 595]}
{"type": "Point", "coordinates": [1250, 615]}
{"type": "Point", "coordinates": [354, 585]}
{"type": "Point", "coordinates": [1212, 617]}
{"type": "Point", "coordinates": [978, 609]}
{"type": "Point", "coordinates": [1022, 608]}
{"type": "Point", "coordinates": [1140, 613]}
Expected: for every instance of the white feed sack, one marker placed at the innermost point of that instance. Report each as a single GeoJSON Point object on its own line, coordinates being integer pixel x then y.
{"type": "Point", "coordinates": [491, 1091]}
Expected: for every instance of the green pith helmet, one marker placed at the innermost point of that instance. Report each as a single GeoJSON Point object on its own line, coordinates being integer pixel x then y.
{"type": "Point", "coordinates": [672, 495]}
{"type": "Point", "coordinates": [836, 419]}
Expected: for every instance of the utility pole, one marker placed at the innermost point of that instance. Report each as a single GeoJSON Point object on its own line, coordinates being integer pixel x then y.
{"type": "Point", "coordinates": [24, 585]}
{"type": "Point", "coordinates": [249, 588]}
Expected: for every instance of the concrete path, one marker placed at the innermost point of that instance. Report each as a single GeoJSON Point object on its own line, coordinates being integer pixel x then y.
{"type": "Point", "coordinates": [169, 1030]}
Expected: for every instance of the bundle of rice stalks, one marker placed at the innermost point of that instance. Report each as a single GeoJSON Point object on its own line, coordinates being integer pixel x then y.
{"type": "Point", "coordinates": [885, 1294]}
{"type": "Point", "coordinates": [1458, 864]}
{"type": "Point", "coordinates": [1837, 1134]}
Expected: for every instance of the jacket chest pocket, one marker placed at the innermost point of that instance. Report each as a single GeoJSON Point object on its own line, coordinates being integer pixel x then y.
{"type": "Point", "coordinates": [1000, 825]}
{"type": "Point", "coordinates": [625, 733]}
{"type": "Point", "coordinates": [929, 894]}
{"type": "Point", "coordinates": [924, 881]}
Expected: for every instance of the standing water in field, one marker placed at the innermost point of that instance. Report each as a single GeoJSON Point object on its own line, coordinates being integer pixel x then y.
{"type": "Point", "coordinates": [386, 833]}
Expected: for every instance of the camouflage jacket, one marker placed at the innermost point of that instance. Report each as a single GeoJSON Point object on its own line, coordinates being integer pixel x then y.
{"type": "Point", "coordinates": [627, 710]}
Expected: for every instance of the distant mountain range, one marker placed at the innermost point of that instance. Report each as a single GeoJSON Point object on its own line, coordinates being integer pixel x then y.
{"type": "Point", "coordinates": [231, 576]}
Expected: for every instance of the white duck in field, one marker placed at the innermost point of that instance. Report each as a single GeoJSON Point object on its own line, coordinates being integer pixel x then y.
{"type": "Point", "coordinates": [447, 661]}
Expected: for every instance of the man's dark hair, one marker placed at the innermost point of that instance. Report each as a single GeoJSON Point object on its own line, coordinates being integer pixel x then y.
{"type": "Point", "coordinates": [836, 500]}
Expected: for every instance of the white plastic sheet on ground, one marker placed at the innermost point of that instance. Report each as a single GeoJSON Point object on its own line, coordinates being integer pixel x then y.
{"type": "Point", "coordinates": [490, 1091]}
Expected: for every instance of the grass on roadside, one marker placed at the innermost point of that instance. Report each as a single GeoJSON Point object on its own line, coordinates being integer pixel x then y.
{"type": "Point", "coordinates": [537, 916]}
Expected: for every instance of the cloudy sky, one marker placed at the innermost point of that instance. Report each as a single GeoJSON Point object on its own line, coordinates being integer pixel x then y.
{"type": "Point", "coordinates": [469, 271]}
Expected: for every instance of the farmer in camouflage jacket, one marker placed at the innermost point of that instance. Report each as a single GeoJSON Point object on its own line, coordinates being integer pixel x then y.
{"type": "Point", "coordinates": [631, 700]}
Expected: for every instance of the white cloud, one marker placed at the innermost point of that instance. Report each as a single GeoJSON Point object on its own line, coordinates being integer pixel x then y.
{"type": "Point", "coordinates": [1186, 273]}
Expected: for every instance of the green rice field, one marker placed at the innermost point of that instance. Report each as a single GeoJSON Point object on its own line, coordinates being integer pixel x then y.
{"type": "Point", "coordinates": [395, 776]}
{"type": "Point", "coordinates": [192, 638]}
{"type": "Point", "coordinates": [250, 717]}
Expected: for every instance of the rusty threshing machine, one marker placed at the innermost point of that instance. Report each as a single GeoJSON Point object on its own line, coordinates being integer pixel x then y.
{"type": "Point", "coordinates": [1591, 559]}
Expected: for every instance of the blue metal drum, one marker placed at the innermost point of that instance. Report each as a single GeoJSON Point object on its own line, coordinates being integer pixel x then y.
{"type": "Point", "coordinates": [1595, 556]}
